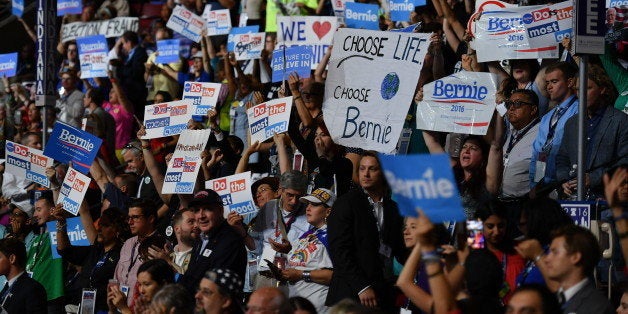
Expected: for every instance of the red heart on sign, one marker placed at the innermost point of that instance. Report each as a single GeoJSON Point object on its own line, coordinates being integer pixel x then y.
{"type": "Point", "coordinates": [321, 29]}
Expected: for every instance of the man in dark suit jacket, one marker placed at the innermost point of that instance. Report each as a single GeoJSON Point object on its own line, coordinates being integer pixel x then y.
{"type": "Point", "coordinates": [219, 246]}
{"type": "Point", "coordinates": [573, 254]}
{"type": "Point", "coordinates": [131, 72]}
{"type": "Point", "coordinates": [21, 294]}
{"type": "Point", "coordinates": [364, 232]}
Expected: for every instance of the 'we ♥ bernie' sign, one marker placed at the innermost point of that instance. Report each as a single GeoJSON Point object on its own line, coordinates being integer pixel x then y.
{"type": "Point", "coordinates": [313, 31]}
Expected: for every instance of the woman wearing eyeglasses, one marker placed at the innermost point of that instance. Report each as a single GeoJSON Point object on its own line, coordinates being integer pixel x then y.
{"type": "Point", "coordinates": [309, 265]}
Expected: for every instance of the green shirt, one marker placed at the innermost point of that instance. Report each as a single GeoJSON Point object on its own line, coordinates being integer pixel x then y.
{"type": "Point", "coordinates": [46, 270]}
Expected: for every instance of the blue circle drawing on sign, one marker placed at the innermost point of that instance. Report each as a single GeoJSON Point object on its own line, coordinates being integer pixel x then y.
{"type": "Point", "coordinates": [10, 147]}
{"type": "Point", "coordinates": [390, 85]}
{"type": "Point", "coordinates": [527, 18]}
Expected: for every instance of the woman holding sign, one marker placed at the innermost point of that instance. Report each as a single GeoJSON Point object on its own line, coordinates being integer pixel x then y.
{"type": "Point", "coordinates": [310, 266]}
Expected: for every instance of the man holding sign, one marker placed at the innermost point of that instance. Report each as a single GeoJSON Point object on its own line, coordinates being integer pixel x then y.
{"type": "Point", "coordinates": [364, 236]}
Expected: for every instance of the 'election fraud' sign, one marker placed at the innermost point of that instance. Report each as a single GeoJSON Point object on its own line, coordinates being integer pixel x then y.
{"type": "Point", "coordinates": [235, 192]}
{"type": "Point", "coordinates": [549, 24]}
{"type": "Point", "coordinates": [314, 31]}
{"type": "Point", "coordinates": [167, 119]}
{"type": "Point", "coordinates": [168, 51]}
{"type": "Point", "coordinates": [462, 103]}
{"type": "Point", "coordinates": [76, 234]}
{"type": "Point", "coordinates": [361, 15]}
{"type": "Point", "coordinates": [500, 34]}
{"type": "Point", "coordinates": [218, 22]}
{"type": "Point", "coordinates": [239, 30]}
{"type": "Point", "coordinates": [8, 64]}
{"type": "Point", "coordinates": [70, 144]}
{"type": "Point", "coordinates": [204, 96]}
{"type": "Point", "coordinates": [29, 163]}
{"type": "Point", "coordinates": [269, 118]}
{"type": "Point", "coordinates": [249, 46]}
{"type": "Point", "coordinates": [110, 28]}
{"type": "Point", "coordinates": [185, 162]}
{"type": "Point", "coordinates": [65, 7]}
{"type": "Point", "coordinates": [73, 190]}
{"type": "Point", "coordinates": [400, 9]}
{"type": "Point", "coordinates": [186, 23]}
{"type": "Point", "coordinates": [370, 84]}
{"type": "Point", "coordinates": [423, 181]}
{"type": "Point", "coordinates": [93, 56]}
{"type": "Point", "coordinates": [291, 59]}
{"type": "Point", "coordinates": [580, 212]}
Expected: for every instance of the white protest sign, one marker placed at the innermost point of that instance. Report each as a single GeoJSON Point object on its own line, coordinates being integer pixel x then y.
{"type": "Point", "coordinates": [461, 103]}
{"type": "Point", "coordinates": [370, 85]}
{"type": "Point", "coordinates": [186, 23]}
{"type": "Point", "coordinates": [218, 22]}
{"type": "Point", "coordinates": [73, 190]}
{"type": "Point", "coordinates": [500, 34]}
{"type": "Point", "coordinates": [166, 119]}
{"type": "Point", "coordinates": [93, 56]}
{"type": "Point", "coordinates": [185, 162]}
{"type": "Point", "coordinates": [314, 31]}
{"type": "Point", "coordinates": [548, 25]}
{"type": "Point", "coordinates": [235, 192]}
{"type": "Point", "coordinates": [110, 28]}
{"type": "Point", "coordinates": [249, 46]}
{"type": "Point", "coordinates": [25, 162]}
{"type": "Point", "coordinates": [204, 96]}
{"type": "Point", "coordinates": [269, 118]}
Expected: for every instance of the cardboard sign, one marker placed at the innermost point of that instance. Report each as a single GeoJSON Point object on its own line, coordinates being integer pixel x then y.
{"type": "Point", "coordinates": [73, 191]}
{"type": "Point", "coordinates": [167, 119]}
{"type": "Point", "coordinates": [461, 103]}
{"type": "Point", "coordinates": [183, 167]}
{"type": "Point", "coordinates": [292, 59]}
{"type": "Point", "coordinates": [317, 32]}
{"type": "Point", "coordinates": [239, 30]}
{"type": "Point", "coordinates": [580, 212]}
{"type": "Point", "coordinates": [109, 28]}
{"type": "Point", "coordinates": [400, 9]}
{"type": "Point", "coordinates": [93, 56]}
{"type": "Point", "coordinates": [204, 96]}
{"type": "Point", "coordinates": [269, 118]}
{"type": "Point", "coordinates": [168, 50]}
{"type": "Point", "coordinates": [8, 64]}
{"type": "Point", "coordinates": [75, 231]}
{"type": "Point", "coordinates": [370, 85]}
{"type": "Point", "coordinates": [65, 7]}
{"type": "Point", "coordinates": [426, 182]}
{"type": "Point", "coordinates": [361, 15]}
{"type": "Point", "coordinates": [25, 162]}
{"type": "Point", "coordinates": [70, 144]}
{"type": "Point", "coordinates": [218, 22]}
{"type": "Point", "coordinates": [235, 192]}
{"type": "Point", "coordinates": [249, 46]}
{"type": "Point", "coordinates": [186, 23]}
{"type": "Point", "coordinates": [500, 34]}
{"type": "Point", "coordinates": [17, 8]}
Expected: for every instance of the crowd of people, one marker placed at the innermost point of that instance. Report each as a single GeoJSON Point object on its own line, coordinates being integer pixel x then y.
{"type": "Point", "coordinates": [328, 236]}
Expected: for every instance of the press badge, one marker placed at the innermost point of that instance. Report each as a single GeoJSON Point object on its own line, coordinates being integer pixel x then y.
{"type": "Point", "coordinates": [125, 290]}
{"type": "Point", "coordinates": [540, 171]}
{"type": "Point", "coordinates": [88, 301]}
{"type": "Point", "coordinates": [404, 311]}
{"type": "Point", "coordinates": [207, 252]}
{"type": "Point", "coordinates": [385, 250]}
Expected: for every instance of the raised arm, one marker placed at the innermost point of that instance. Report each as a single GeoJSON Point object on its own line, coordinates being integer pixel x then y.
{"type": "Point", "coordinates": [99, 175]}
{"type": "Point", "coordinates": [122, 98]}
{"type": "Point", "coordinates": [320, 68]}
{"type": "Point", "coordinates": [405, 282]}
{"type": "Point", "coordinates": [153, 169]}
{"type": "Point", "coordinates": [495, 161]}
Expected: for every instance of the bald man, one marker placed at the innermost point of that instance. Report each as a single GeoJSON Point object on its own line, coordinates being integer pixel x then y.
{"type": "Point", "coordinates": [268, 299]}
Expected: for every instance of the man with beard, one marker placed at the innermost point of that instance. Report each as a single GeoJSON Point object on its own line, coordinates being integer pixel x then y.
{"type": "Point", "coordinates": [183, 226]}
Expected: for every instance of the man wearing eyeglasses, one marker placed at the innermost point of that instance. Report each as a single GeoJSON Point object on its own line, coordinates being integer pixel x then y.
{"type": "Point", "coordinates": [141, 219]}
{"type": "Point", "coordinates": [280, 222]}
{"type": "Point", "coordinates": [522, 114]}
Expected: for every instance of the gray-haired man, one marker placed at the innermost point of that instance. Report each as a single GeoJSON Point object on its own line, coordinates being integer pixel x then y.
{"type": "Point", "coordinates": [280, 222]}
